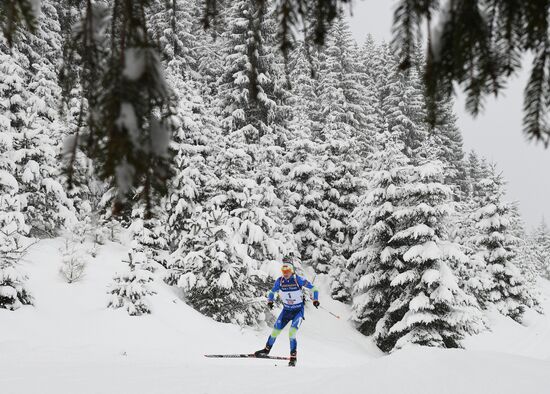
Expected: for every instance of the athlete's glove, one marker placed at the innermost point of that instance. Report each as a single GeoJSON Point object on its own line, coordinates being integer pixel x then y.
{"type": "Point", "coordinates": [316, 303]}
{"type": "Point", "coordinates": [270, 304]}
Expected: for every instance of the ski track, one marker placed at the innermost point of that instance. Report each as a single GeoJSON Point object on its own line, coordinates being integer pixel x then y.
{"type": "Point", "coordinates": [70, 343]}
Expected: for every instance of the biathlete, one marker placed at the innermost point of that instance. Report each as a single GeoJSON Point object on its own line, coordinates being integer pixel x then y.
{"type": "Point", "coordinates": [290, 285]}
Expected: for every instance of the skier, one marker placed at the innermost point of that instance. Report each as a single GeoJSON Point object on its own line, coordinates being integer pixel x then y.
{"type": "Point", "coordinates": [290, 285]}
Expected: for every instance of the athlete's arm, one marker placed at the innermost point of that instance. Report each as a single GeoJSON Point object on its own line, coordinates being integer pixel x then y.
{"type": "Point", "coordinates": [274, 290]}
{"type": "Point", "coordinates": [305, 283]}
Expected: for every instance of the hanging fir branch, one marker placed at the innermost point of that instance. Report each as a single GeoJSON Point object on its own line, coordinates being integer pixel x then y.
{"type": "Point", "coordinates": [129, 106]}
{"type": "Point", "coordinates": [133, 128]}
{"type": "Point", "coordinates": [14, 13]}
{"type": "Point", "coordinates": [479, 44]}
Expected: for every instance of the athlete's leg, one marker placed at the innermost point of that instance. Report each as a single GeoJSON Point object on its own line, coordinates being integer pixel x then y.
{"type": "Point", "coordinates": [296, 321]}
{"type": "Point", "coordinates": [280, 323]}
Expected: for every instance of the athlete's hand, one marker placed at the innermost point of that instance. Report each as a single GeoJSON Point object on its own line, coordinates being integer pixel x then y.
{"type": "Point", "coordinates": [316, 303]}
{"type": "Point", "coordinates": [270, 304]}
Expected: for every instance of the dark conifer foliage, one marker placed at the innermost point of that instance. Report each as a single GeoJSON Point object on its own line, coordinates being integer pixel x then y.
{"type": "Point", "coordinates": [14, 13]}
{"type": "Point", "coordinates": [480, 44]}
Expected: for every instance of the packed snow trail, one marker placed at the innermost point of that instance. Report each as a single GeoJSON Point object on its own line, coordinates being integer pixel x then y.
{"type": "Point", "coordinates": [70, 343]}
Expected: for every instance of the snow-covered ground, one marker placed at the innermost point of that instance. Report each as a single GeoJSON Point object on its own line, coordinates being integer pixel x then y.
{"type": "Point", "coordinates": [70, 343]}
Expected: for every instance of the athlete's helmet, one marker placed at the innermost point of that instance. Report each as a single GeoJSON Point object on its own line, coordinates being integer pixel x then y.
{"type": "Point", "coordinates": [287, 268]}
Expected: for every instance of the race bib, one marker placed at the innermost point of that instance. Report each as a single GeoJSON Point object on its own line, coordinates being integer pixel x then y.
{"type": "Point", "coordinates": [292, 297]}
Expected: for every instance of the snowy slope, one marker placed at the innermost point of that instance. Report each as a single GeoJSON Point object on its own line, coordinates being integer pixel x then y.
{"type": "Point", "coordinates": [70, 343]}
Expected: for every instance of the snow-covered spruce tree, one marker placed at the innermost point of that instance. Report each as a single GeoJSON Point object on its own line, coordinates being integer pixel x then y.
{"type": "Point", "coordinates": [171, 25]}
{"type": "Point", "coordinates": [191, 186]}
{"type": "Point", "coordinates": [73, 255]}
{"type": "Point", "coordinates": [406, 291]}
{"type": "Point", "coordinates": [306, 109]}
{"type": "Point", "coordinates": [194, 182]}
{"type": "Point", "coordinates": [209, 47]}
{"type": "Point", "coordinates": [345, 138]}
{"type": "Point", "coordinates": [14, 94]}
{"type": "Point", "coordinates": [369, 51]}
{"type": "Point", "coordinates": [233, 237]}
{"type": "Point", "coordinates": [344, 92]}
{"type": "Point", "coordinates": [83, 186]}
{"type": "Point", "coordinates": [476, 171]}
{"type": "Point", "coordinates": [372, 292]}
{"type": "Point", "coordinates": [131, 288]}
{"type": "Point", "coordinates": [525, 260]}
{"type": "Point", "coordinates": [236, 239]}
{"type": "Point", "coordinates": [450, 152]}
{"type": "Point", "coordinates": [403, 107]}
{"type": "Point", "coordinates": [13, 292]}
{"type": "Point", "coordinates": [379, 61]}
{"type": "Point", "coordinates": [502, 283]}
{"type": "Point", "coordinates": [196, 128]}
{"type": "Point", "coordinates": [539, 244]}
{"type": "Point", "coordinates": [334, 113]}
{"type": "Point", "coordinates": [35, 127]}
{"type": "Point", "coordinates": [218, 278]}
{"type": "Point", "coordinates": [237, 231]}
{"type": "Point", "coordinates": [305, 186]}
{"type": "Point", "coordinates": [342, 174]}
{"type": "Point", "coordinates": [306, 204]}
{"type": "Point", "coordinates": [253, 126]}
{"type": "Point", "coordinates": [247, 74]}
{"type": "Point", "coordinates": [149, 236]}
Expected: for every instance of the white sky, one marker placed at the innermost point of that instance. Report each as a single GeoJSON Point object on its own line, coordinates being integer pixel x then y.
{"type": "Point", "coordinates": [496, 133]}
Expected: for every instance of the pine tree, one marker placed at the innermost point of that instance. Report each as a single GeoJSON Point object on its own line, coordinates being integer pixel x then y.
{"type": "Point", "coordinates": [131, 288]}
{"type": "Point", "coordinates": [13, 116]}
{"type": "Point", "coordinates": [209, 50]}
{"type": "Point", "coordinates": [448, 140]}
{"type": "Point", "coordinates": [304, 183]}
{"type": "Point", "coordinates": [219, 279]}
{"type": "Point", "coordinates": [372, 292]}
{"type": "Point", "coordinates": [344, 92]}
{"type": "Point", "coordinates": [403, 108]}
{"type": "Point", "coordinates": [343, 178]}
{"type": "Point", "coordinates": [149, 237]}
{"type": "Point", "coordinates": [35, 127]}
{"type": "Point", "coordinates": [305, 203]}
{"type": "Point", "coordinates": [406, 291]}
{"type": "Point", "coordinates": [476, 171]}
{"type": "Point", "coordinates": [73, 259]}
{"type": "Point", "coordinates": [172, 23]}
{"type": "Point", "coordinates": [237, 233]}
{"type": "Point", "coordinates": [191, 187]}
{"type": "Point", "coordinates": [339, 125]}
{"type": "Point", "coordinates": [13, 292]}
{"type": "Point", "coordinates": [502, 282]}
{"type": "Point", "coordinates": [540, 247]}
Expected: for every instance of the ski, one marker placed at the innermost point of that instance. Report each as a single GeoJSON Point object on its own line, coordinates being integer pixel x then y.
{"type": "Point", "coordinates": [245, 356]}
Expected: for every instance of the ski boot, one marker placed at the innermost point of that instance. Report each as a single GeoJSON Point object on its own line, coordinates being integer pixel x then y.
{"type": "Point", "coordinates": [263, 352]}
{"type": "Point", "coordinates": [292, 362]}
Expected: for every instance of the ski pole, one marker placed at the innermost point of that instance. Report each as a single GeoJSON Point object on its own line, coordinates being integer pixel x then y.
{"type": "Point", "coordinates": [325, 309]}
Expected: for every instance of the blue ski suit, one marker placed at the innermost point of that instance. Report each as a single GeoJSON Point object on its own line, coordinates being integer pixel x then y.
{"type": "Point", "coordinates": [293, 307]}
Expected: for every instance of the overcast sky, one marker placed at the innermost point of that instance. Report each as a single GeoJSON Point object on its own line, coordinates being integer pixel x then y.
{"type": "Point", "coordinates": [496, 133]}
